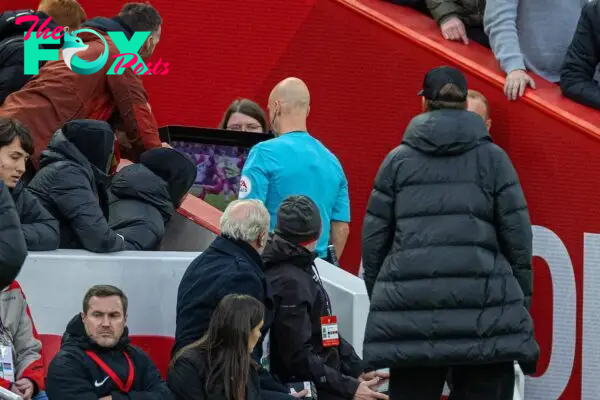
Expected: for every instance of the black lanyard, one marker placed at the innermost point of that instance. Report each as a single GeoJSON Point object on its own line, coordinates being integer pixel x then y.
{"type": "Point", "coordinates": [320, 282]}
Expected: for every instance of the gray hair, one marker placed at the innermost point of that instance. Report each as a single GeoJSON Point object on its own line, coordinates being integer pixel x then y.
{"type": "Point", "coordinates": [245, 220]}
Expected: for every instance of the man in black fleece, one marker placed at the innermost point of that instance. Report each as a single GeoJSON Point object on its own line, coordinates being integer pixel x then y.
{"type": "Point", "coordinates": [296, 342]}
{"type": "Point", "coordinates": [143, 197]}
{"type": "Point", "coordinates": [13, 249]}
{"type": "Point", "coordinates": [72, 185]}
{"type": "Point", "coordinates": [96, 360]}
{"type": "Point", "coordinates": [447, 253]}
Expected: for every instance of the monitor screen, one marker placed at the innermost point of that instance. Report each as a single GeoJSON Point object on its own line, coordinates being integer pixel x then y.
{"type": "Point", "coordinates": [219, 157]}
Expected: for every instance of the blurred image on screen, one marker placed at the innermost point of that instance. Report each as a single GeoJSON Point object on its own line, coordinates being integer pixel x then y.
{"type": "Point", "coordinates": [218, 171]}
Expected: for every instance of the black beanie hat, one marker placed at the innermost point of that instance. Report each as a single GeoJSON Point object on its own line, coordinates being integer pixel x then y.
{"type": "Point", "coordinates": [298, 220]}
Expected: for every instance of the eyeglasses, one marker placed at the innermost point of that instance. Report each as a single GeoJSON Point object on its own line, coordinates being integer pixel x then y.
{"type": "Point", "coordinates": [245, 127]}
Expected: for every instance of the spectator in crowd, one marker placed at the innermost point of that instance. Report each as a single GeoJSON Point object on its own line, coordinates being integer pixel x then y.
{"type": "Point", "coordinates": [13, 249]}
{"type": "Point", "coordinates": [520, 43]}
{"type": "Point", "coordinates": [47, 101]}
{"type": "Point", "coordinates": [298, 352]}
{"type": "Point", "coordinates": [39, 226]}
{"type": "Point", "coordinates": [19, 334]}
{"type": "Point", "coordinates": [72, 185]}
{"type": "Point", "coordinates": [296, 163]}
{"type": "Point", "coordinates": [460, 20]}
{"type": "Point", "coordinates": [447, 243]}
{"type": "Point", "coordinates": [96, 359]}
{"type": "Point", "coordinates": [143, 197]}
{"type": "Point", "coordinates": [477, 103]}
{"type": "Point", "coordinates": [244, 115]}
{"type": "Point", "coordinates": [220, 364]}
{"type": "Point", "coordinates": [583, 58]}
{"type": "Point", "coordinates": [66, 13]}
{"type": "Point", "coordinates": [230, 265]}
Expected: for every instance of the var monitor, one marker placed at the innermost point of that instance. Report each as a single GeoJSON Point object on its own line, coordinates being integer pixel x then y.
{"type": "Point", "coordinates": [219, 156]}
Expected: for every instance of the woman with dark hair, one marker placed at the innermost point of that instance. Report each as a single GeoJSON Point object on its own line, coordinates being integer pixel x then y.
{"type": "Point", "coordinates": [244, 115]}
{"type": "Point", "coordinates": [40, 228]}
{"type": "Point", "coordinates": [219, 366]}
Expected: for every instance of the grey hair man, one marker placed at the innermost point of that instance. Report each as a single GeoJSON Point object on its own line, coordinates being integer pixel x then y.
{"type": "Point", "coordinates": [230, 265]}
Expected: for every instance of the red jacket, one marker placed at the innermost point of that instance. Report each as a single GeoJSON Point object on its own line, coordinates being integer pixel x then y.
{"type": "Point", "coordinates": [58, 95]}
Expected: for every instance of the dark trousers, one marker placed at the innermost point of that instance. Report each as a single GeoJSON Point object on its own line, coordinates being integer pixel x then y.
{"type": "Point", "coordinates": [477, 382]}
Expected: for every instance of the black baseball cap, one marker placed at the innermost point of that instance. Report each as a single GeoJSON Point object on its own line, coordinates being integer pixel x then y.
{"type": "Point", "coordinates": [298, 220]}
{"type": "Point", "coordinates": [435, 80]}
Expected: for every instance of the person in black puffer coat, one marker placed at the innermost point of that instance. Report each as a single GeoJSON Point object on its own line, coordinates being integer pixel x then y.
{"type": "Point", "coordinates": [143, 197]}
{"type": "Point", "coordinates": [67, 13]}
{"type": "Point", "coordinates": [13, 249]}
{"type": "Point", "coordinates": [72, 185]}
{"type": "Point", "coordinates": [447, 253]}
{"type": "Point", "coordinates": [583, 58]}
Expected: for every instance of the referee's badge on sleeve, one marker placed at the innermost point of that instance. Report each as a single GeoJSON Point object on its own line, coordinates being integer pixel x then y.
{"type": "Point", "coordinates": [245, 187]}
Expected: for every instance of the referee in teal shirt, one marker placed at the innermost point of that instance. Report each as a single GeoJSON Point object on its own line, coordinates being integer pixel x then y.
{"type": "Point", "coordinates": [295, 163]}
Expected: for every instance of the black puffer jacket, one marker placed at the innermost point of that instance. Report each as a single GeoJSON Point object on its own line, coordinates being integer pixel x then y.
{"type": "Point", "coordinates": [143, 197]}
{"type": "Point", "coordinates": [297, 352]}
{"type": "Point", "coordinates": [39, 226]}
{"type": "Point", "coordinates": [12, 55]}
{"type": "Point", "coordinates": [582, 59]}
{"type": "Point", "coordinates": [447, 250]}
{"type": "Point", "coordinates": [13, 249]}
{"type": "Point", "coordinates": [73, 375]}
{"type": "Point", "coordinates": [71, 185]}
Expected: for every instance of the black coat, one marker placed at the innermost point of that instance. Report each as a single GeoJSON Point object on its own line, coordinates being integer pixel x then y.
{"type": "Point", "coordinates": [189, 373]}
{"type": "Point", "coordinates": [13, 248]}
{"type": "Point", "coordinates": [12, 54]}
{"type": "Point", "coordinates": [39, 226]}
{"type": "Point", "coordinates": [141, 202]}
{"type": "Point", "coordinates": [71, 188]}
{"type": "Point", "coordinates": [582, 59]}
{"type": "Point", "coordinates": [297, 352]}
{"type": "Point", "coordinates": [73, 375]}
{"type": "Point", "coordinates": [447, 250]}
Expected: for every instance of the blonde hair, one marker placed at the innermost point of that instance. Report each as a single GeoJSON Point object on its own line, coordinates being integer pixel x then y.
{"type": "Point", "coordinates": [475, 95]}
{"type": "Point", "coordinates": [67, 13]}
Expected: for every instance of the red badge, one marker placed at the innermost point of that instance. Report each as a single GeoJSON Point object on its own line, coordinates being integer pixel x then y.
{"type": "Point", "coordinates": [329, 331]}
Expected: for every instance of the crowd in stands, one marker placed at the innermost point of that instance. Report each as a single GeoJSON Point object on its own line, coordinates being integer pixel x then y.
{"type": "Point", "coordinates": [446, 239]}
{"type": "Point", "coordinates": [556, 40]}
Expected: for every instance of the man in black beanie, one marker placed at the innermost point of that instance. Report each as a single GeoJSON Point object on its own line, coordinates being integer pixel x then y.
{"type": "Point", "coordinates": [299, 351]}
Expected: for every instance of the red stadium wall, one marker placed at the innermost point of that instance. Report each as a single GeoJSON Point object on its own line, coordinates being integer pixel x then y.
{"type": "Point", "coordinates": [364, 72]}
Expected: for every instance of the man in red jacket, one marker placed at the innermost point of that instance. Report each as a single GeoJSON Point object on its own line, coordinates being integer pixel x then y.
{"type": "Point", "coordinates": [58, 95]}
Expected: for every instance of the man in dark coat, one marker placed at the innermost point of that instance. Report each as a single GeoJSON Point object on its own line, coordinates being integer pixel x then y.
{"type": "Point", "coordinates": [13, 249]}
{"type": "Point", "coordinates": [72, 185]}
{"type": "Point", "coordinates": [297, 350]}
{"type": "Point", "coordinates": [583, 57]}
{"type": "Point", "coordinates": [230, 265]}
{"type": "Point", "coordinates": [143, 197]}
{"type": "Point", "coordinates": [96, 359]}
{"type": "Point", "coordinates": [447, 250]}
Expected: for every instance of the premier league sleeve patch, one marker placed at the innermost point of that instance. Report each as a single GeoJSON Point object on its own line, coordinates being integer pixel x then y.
{"type": "Point", "coordinates": [245, 187]}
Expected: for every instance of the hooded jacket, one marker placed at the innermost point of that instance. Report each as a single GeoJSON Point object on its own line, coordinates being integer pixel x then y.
{"type": "Point", "coordinates": [297, 352]}
{"type": "Point", "coordinates": [144, 196]}
{"type": "Point", "coordinates": [13, 248]}
{"type": "Point", "coordinates": [447, 250]}
{"type": "Point", "coordinates": [73, 375]}
{"type": "Point", "coordinates": [57, 95]}
{"type": "Point", "coordinates": [39, 226]}
{"type": "Point", "coordinates": [71, 185]}
{"type": "Point", "coordinates": [12, 54]}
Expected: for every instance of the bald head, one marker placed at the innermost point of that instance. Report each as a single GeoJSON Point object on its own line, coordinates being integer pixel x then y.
{"type": "Point", "coordinates": [248, 221]}
{"type": "Point", "coordinates": [291, 93]}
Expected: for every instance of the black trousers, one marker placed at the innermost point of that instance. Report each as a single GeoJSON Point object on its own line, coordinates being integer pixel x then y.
{"type": "Point", "coordinates": [477, 382]}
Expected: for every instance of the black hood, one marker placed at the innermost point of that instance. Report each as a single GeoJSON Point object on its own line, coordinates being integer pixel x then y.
{"type": "Point", "coordinates": [114, 24]}
{"type": "Point", "coordinates": [75, 335]}
{"type": "Point", "coordinates": [175, 168]}
{"type": "Point", "coordinates": [8, 27]}
{"type": "Point", "coordinates": [279, 251]}
{"type": "Point", "coordinates": [446, 132]}
{"type": "Point", "coordinates": [139, 183]}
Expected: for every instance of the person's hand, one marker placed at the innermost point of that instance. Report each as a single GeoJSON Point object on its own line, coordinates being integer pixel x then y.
{"type": "Point", "coordinates": [26, 387]}
{"type": "Point", "coordinates": [454, 29]}
{"type": "Point", "coordinates": [16, 390]}
{"type": "Point", "coordinates": [367, 376]}
{"type": "Point", "coordinates": [166, 145]}
{"type": "Point", "coordinates": [299, 395]}
{"type": "Point", "coordinates": [516, 83]}
{"type": "Point", "coordinates": [365, 391]}
{"type": "Point", "coordinates": [105, 398]}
